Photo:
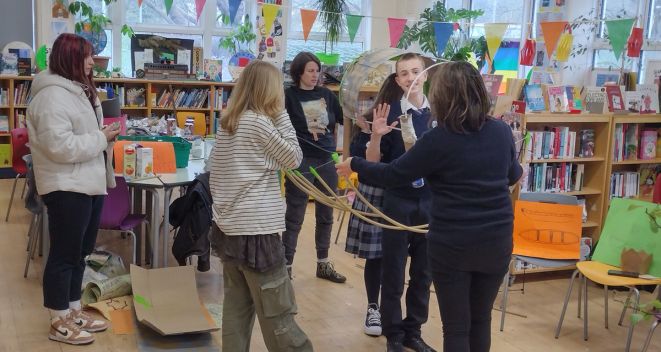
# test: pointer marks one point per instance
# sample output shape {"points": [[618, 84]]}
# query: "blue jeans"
{"points": [[297, 202], [73, 222]]}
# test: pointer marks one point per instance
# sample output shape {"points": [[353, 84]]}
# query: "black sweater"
{"points": [[316, 110], [468, 176]]}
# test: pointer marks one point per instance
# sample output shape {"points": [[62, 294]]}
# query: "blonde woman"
{"points": [[256, 140]]}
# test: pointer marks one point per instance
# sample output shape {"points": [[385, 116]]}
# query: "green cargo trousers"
{"points": [[271, 296]]}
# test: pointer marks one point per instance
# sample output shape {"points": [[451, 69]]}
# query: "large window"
{"points": [[315, 43], [502, 11], [152, 12]]}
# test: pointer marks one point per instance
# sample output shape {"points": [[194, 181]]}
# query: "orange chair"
{"points": [[19, 141]]}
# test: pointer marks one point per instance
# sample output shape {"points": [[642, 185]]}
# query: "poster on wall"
{"points": [[270, 46], [159, 49]]}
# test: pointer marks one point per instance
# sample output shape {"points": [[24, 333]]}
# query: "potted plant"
{"points": [[90, 25], [238, 43], [333, 20], [460, 44]]}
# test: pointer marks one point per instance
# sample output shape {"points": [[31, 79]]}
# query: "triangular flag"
{"points": [[168, 6], [443, 32], [139, 3], [353, 22], [494, 33], [618, 32], [307, 20], [199, 6], [551, 32], [396, 28], [234, 8], [269, 11]]}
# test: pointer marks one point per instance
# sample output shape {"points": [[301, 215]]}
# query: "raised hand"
{"points": [[380, 120]]}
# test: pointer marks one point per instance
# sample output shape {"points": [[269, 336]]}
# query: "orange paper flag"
{"points": [[551, 32], [307, 20], [269, 11]]}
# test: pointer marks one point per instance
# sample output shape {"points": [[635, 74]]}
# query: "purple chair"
{"points": [[116, 213]]}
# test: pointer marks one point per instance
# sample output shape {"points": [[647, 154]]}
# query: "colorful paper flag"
{"points": [[199, 6], [494, 33], [139, 3], [269, 11], [353, 22], [396, 28], [618, 33], [168, 6], [234, 8], [307, 20], [551, 32], [442, 32]]}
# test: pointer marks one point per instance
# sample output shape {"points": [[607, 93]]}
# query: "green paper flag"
{"points": [[168, 6], [353, 22], [618, 32]]}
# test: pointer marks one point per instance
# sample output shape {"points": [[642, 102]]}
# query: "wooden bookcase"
{"points": [[17, 91]]}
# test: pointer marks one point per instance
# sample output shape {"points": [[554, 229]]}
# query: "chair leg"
{"points": [[11, 198], [649, 335], [32, 245], [606, 306], [626, 306], [585, 308], [32, 221], [135, 246], [339, 228], [564, 306], [503, 304], [580, 296], [636, 294], [24, 187]]}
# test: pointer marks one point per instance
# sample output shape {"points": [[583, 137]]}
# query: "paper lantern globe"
{"points": [[238, 62], [99, 40]]}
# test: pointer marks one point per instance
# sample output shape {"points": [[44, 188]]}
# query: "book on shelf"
{"points": [[595, 100], [624, 184], [648, 139], [557, 99], [586, 149], [24, 66], [213, 69], [632, 101], [615, 100], [534, 98], [649, 96], [554, 177], [502, 105], [5, 155], [4, 123], [584, 210], [9, 64], [574, 101], [20, 119], [492, 83], [135, 97], [555, 143], [647, 179]]}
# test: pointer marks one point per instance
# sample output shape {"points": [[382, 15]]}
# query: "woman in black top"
{"points": [[469, 160], [314, 111]]}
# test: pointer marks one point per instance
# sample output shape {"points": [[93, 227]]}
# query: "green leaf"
{"points": [[636, 318]]}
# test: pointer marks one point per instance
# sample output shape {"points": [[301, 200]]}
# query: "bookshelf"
{"points": [[14, 95]]}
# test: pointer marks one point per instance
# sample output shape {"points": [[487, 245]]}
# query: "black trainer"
{"points": [[417, 344], [326, 271], [373, 320], [395, 346]]}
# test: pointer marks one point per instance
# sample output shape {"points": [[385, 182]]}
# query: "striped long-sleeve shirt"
{"points": [[244, 174]]}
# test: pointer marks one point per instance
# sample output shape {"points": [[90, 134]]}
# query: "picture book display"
{"points": [[649, 97], [558, 99], [534, 98]]}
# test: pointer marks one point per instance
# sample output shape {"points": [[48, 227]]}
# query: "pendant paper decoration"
{"points": [[199, 6], [396, 28], [618, 32], [139, 3], [635, 42], [443, 32], [527, 54], [168, 6], [494, 33], [307, 20], [564, 46], [551, 32], [234, 8], [269, 11], [353, 22]]}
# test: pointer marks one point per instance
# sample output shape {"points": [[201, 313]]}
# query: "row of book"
{"points": [[560, 143], [220, 98], [553, 177], [624, 184], [633, 141], [596, 100], [22, 93], [183, 98], [20, 121], [4, 97]]}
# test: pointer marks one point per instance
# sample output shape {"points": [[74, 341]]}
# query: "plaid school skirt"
{"points": [[364, 239]]}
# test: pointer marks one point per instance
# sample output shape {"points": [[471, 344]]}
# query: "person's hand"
{"points": [[111, 132], [380, 125], [344, 168]]}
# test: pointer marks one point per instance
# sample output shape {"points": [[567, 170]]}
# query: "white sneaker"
{"points": [[65, 330], [373, 320], [87, 322]]}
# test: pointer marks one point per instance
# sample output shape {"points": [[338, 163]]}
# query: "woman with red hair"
{"points": [[71, 153]]}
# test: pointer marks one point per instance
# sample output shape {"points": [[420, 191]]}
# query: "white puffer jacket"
{"points": [[66, 141]]}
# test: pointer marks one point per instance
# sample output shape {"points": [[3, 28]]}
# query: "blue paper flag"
{"points": [[234, 8], [442, 31]]}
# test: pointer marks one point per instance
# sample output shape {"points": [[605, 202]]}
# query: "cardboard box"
{"points": [[145, 162], [167, 301]]}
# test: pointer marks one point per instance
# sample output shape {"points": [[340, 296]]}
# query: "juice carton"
{"points": [[145, 162], [129, 161]]}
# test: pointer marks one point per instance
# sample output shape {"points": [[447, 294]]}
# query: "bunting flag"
{"points": [[234, 8], [442, 32], [199, 6], [353, 22], [494, 33], [269, 11], [618, 33], [551, 32], [635, 42], [168, 6], [396, 28], [307, 20], [139, 3]]}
